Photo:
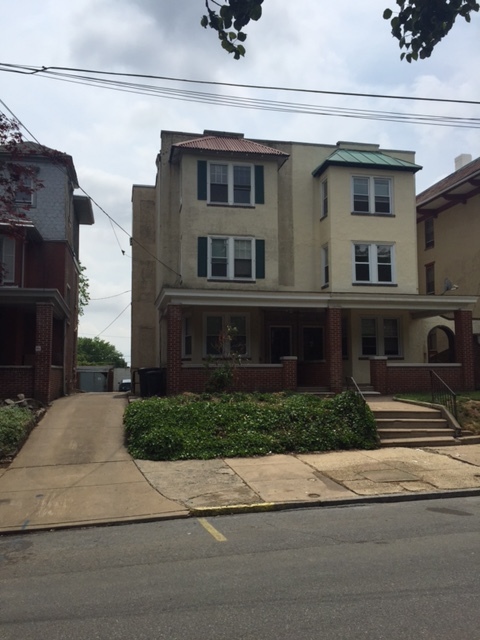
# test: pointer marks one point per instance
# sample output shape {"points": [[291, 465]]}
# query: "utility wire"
{"points": [[114, 320], [39, 70], [66, 74]]}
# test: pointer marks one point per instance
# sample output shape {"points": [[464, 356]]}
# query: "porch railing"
{"points": [[353, 386], [442, 394]]}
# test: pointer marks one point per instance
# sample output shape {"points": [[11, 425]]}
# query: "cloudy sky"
{"points": [[113, 135]]}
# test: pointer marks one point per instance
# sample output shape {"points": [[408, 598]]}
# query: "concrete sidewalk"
{"points": [[75, 471]]}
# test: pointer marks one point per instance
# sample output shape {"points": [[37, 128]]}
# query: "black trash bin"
{"points": [[153, 381], [144, 381]]}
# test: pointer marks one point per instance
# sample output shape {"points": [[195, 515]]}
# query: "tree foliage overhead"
{"points": [[96, 352], [83, 291], [421, 24], [230, 20], [418, 25]]}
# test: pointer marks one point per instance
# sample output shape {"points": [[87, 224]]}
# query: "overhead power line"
{"points": [[99, 79]]}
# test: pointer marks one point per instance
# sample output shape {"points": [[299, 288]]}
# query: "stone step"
{"points": [[415, 433], [391, 414], [418, 442], [411, 423]]}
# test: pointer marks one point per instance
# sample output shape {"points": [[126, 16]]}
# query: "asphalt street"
{"points": [[393, 571]]}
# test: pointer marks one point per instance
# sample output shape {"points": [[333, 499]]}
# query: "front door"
{"points": [[280, 343]]}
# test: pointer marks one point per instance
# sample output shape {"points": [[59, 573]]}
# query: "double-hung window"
{"points": [[231, 184], [324, 198], [372, 195], [7, 260], [24, 191], [231, 258], [373, 263], [429, 233], [380, 337], [225, 334]]}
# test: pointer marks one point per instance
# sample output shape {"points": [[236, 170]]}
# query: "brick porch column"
{"points": [[464, 347], [43, 352], [289, 373], [174, 349], [333, 341], [379, 374]]}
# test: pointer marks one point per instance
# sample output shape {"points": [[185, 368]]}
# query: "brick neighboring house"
{"points": [[308, 250], [448, 229], [39, 284]]}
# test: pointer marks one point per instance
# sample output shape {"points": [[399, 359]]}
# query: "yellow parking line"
{"points": [[211, 530]]}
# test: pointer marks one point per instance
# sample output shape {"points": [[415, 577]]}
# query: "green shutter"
{"points": [[202, 246], [260, 259], [202, 179], [259, 185]]}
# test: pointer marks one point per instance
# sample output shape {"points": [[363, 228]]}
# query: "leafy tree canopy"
{"points": [[96, 352], [418, 25], [83, 291]]}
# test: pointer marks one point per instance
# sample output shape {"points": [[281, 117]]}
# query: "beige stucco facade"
{"points": [[302, 254]]}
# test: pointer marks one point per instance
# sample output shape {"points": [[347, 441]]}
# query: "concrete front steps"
{"points": [[413, 427]]}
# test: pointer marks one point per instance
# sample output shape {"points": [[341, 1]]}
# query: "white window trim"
{"points": [[373, 263], [230, 183], [230, 258], [371, 195], [226, 320], [7, 258], [380, 336]]}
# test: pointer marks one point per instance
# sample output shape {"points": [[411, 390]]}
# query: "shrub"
{"points": [[15, 423], [228, 425]]}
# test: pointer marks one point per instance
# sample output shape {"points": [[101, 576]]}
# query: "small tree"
{"points": [[222, 368], [96, 352], [83, 291], [18, 179]]}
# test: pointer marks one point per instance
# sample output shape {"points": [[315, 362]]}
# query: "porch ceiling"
{"points": [[417, 305]]}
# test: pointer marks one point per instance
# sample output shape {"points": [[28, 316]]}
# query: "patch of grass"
{"points": [[15, 425], [241, 425]]}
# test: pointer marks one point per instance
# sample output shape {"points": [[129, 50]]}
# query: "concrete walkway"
{"points": [[75, 471]]}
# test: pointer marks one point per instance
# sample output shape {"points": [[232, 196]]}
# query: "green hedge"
{"points": [[239, 425], [15, 425]]}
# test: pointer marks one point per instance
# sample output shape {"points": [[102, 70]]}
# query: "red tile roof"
{"points": [[230, 144]]}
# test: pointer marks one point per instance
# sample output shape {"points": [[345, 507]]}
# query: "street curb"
{"points": [[261, 507]]}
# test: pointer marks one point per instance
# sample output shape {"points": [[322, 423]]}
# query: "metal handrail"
{"points": [[442, 394], [356, 389]]}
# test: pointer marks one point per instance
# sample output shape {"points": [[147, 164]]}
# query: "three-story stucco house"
{"points": [[448, 226], [39, 281], [308, 251]]}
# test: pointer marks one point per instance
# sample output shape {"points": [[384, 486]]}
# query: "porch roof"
{"points": [[417, 305], [12, 296]]}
